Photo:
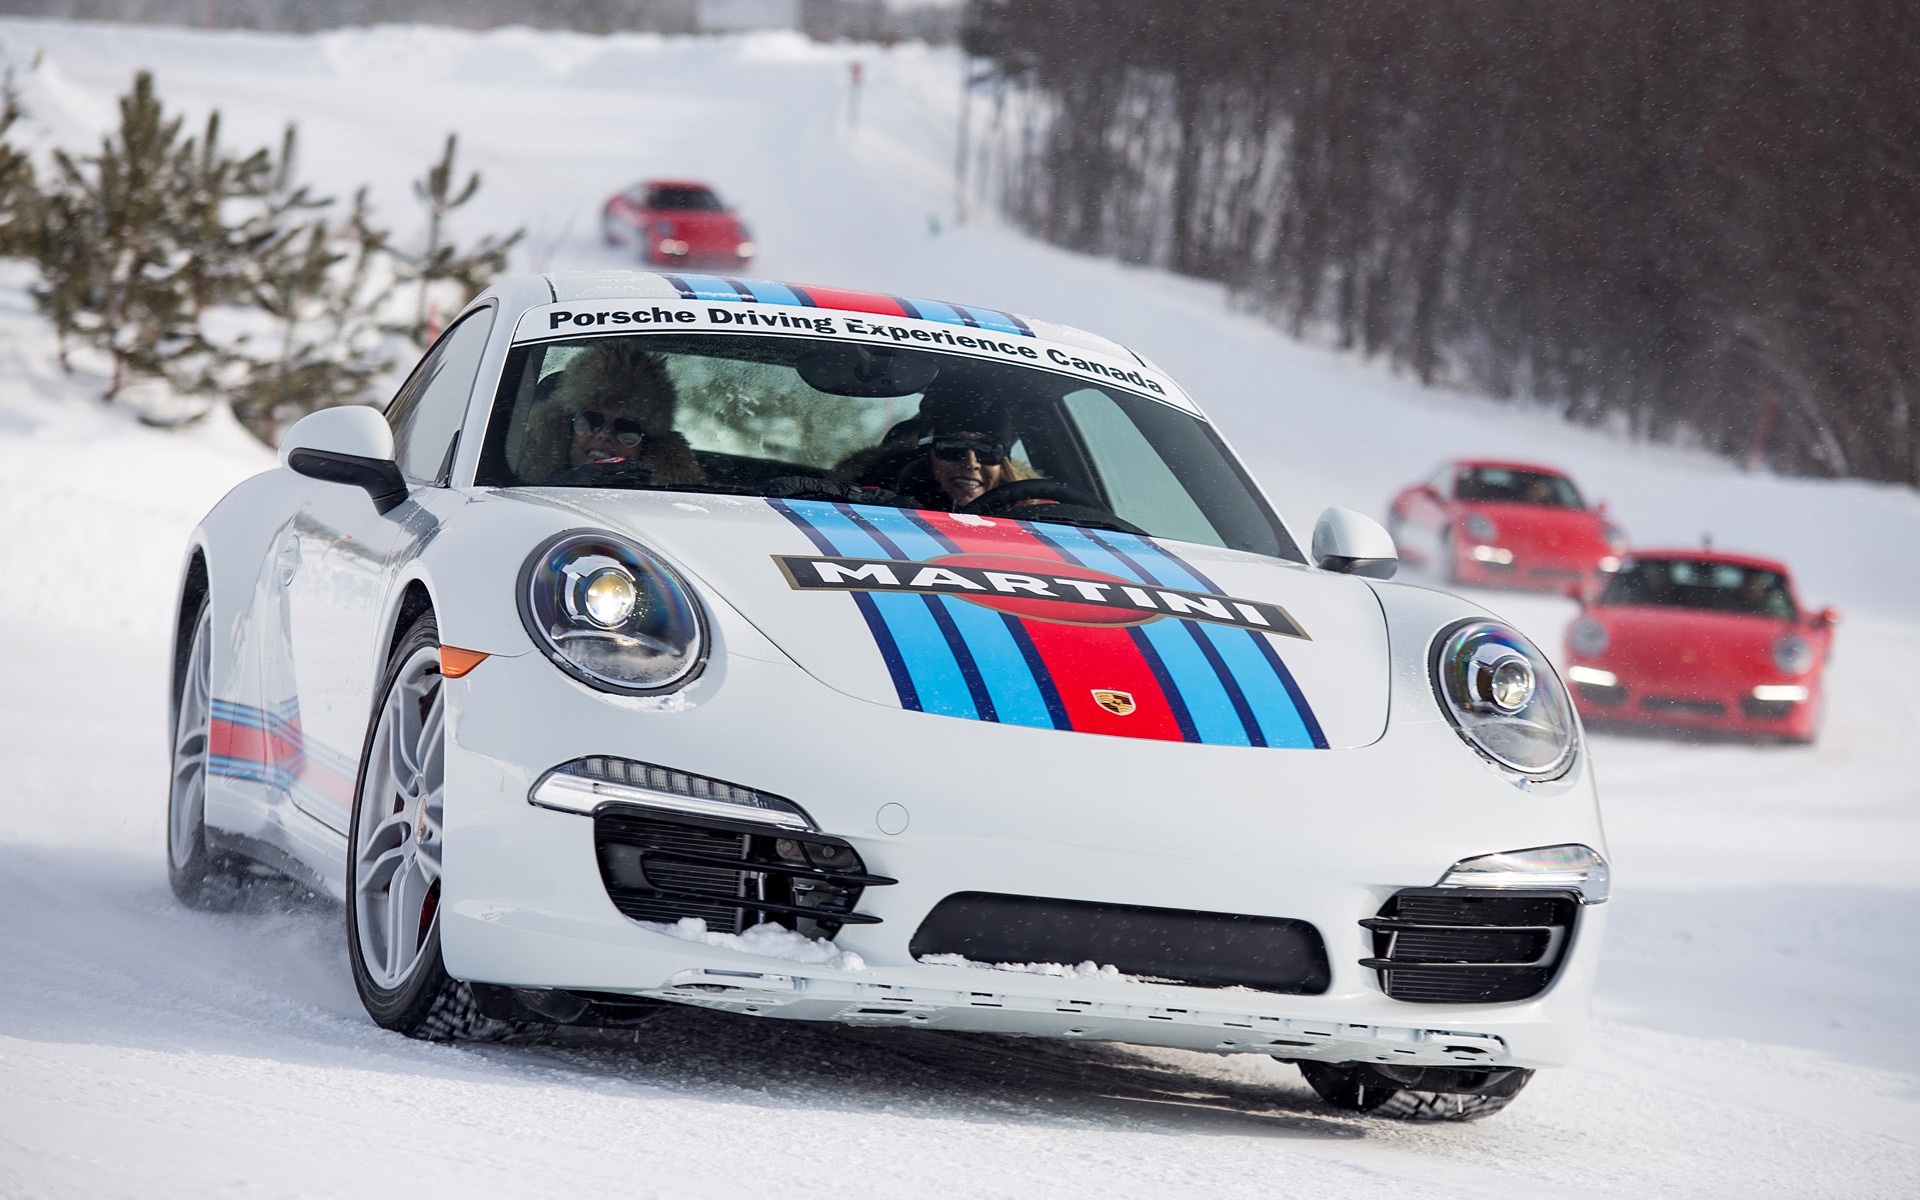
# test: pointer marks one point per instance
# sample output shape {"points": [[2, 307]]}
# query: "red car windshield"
{"points": [[1695, 583], [1508, 486], [683, 199]]}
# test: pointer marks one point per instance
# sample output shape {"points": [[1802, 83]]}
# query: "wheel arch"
{"points": [[416, 600], [195, 589]]}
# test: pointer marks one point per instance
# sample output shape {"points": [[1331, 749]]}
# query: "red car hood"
{"points": [[1678, 645], [1543, 527]]}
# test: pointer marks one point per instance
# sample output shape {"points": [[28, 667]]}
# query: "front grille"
{"points": [[666, 867], [1680, 706], [1767, 710], [1600, 695], [1273, 954], [1469, 946]]}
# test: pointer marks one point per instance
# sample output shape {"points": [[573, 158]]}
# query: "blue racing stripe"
{"points": [[1286, 719], [987, 318], [1006, 669], [924, 650], [705, 287], [935, 310], [767, 291], [876, 625]]}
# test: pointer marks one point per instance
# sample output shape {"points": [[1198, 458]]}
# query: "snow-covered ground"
{"points": [[1757, 1032]]}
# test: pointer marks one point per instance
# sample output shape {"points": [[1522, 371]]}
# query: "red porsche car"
{"points": [[1704, 640], [1504, 524], [676, 223]]}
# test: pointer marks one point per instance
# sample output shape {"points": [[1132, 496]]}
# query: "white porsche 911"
{"points": [[845, 657]]}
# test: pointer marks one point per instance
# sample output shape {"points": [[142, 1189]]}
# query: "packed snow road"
{"points": [[1755, 1033]]}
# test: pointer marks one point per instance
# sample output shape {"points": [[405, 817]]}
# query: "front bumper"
{"points": [[1725, 708], [1319, 836]]}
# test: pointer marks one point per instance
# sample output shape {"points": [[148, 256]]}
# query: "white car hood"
{"points": [[1029, 623]]}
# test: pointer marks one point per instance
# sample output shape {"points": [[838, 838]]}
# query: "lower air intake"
{"points": [[666, 866], [1470, 946], [1273, 954]]}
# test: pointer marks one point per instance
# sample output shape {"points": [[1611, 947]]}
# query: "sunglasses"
{"points": [[956, 449], [626, 432]]}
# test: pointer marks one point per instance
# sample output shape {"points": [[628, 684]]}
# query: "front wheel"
{"points": [[394, 856], [1363, 1088]]}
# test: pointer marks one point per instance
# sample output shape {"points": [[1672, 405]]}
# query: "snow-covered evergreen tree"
{"points": [[468, 271]]}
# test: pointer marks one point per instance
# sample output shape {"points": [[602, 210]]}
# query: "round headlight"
{"points": [[1587, 637], [1504, 699], [1480, 527], [612, 615], [1792, 654]]}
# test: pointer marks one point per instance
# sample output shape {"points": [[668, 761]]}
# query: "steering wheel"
{"points": [[1028, 491]]}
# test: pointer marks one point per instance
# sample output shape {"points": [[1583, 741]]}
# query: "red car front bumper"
{"points": [[1693, 704]]}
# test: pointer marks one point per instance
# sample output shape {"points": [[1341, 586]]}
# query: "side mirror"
{"points": [[1600, 506], [1826, 618], [350, 444], [1353, 544]]}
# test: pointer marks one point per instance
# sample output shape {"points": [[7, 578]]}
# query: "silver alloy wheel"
{"points": [[187, 801], [397, 861]]}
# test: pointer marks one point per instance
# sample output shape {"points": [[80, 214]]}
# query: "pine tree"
{"points": [[108, 247], [441, 260], [325, 291], [19, 193]]}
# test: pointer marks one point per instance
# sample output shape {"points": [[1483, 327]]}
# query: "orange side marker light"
{"points": [[455, 662]]}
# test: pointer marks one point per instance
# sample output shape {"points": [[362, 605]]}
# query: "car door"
{"points": [[337, 556]]}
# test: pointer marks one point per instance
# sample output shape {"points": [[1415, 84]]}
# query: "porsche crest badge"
{"points": [[1118, 703]]}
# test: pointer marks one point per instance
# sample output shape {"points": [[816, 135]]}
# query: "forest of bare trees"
{"points": [[1690, 219]]}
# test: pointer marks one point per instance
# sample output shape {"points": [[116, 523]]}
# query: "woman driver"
{"points": [[613, 404], [967, 440]]}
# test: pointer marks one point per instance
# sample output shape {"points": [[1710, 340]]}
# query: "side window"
{"points": [[427, 412]]}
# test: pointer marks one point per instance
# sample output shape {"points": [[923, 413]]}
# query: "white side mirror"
{"points": [[352, 429], [1354, 544], [350, 444]]}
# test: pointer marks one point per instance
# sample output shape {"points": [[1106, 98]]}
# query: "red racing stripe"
{"points": [[866, 302], [1080, 658]]}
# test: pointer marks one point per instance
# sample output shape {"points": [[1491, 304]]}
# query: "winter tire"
{"points": [[201, 878], [1355, 1087], [394, 857]]}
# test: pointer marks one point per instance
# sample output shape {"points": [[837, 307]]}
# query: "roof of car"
{"points": [[679, 183], [572, 286], [1700, 554], [1511, 465]]}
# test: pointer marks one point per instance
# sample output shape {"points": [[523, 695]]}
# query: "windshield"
{"points": [[1693, 583], [1509, 486], [771, 416], [683, 199]]}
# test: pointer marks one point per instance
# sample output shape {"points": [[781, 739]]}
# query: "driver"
{"points": [[613, 406], [967, 439]]}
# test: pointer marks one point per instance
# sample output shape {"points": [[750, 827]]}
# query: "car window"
{"points": [[1695, 583], [1153, 496], [683, 199], [427, 412], [736, 414], [1512, 486]]}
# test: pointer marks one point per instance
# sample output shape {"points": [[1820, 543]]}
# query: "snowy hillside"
{"points": [[1755, 1034]]}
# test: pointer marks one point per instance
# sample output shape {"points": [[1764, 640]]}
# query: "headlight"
{"points": [[1792, 654], [611, 615], [673, 246], [1587, 637], [1504, 699], [744, 249], [1480, 527]]}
